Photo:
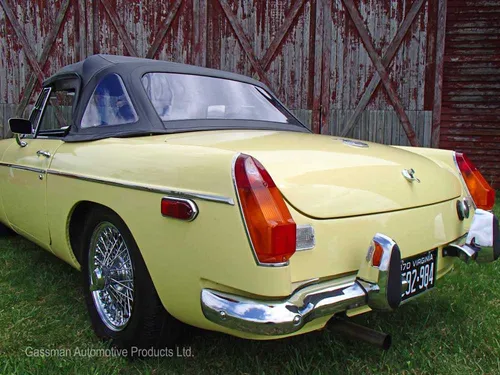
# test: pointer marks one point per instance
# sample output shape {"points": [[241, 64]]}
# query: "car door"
{"points": [[24, 186]]}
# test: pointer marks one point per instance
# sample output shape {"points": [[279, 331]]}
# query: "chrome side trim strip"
{"points": [[151, 189], [23, 168]]}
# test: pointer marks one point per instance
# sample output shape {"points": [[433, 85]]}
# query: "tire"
{"points": [[142, 324], [5, 231]]}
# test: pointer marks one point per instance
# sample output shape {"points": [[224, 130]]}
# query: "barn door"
{"points": [[376, 59]]}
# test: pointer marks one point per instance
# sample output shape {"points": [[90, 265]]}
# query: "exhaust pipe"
{"points": [[358, 332]]}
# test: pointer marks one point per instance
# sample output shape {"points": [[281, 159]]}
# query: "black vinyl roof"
{"points": [[84, 76], [92, 65]]}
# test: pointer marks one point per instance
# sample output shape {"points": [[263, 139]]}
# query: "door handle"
{"points": [[43, 153]]}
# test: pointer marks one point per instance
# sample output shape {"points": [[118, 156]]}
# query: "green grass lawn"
{"points": [[453, 330]]}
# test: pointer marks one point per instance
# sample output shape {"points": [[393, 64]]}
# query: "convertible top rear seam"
{"points": [[152, 189]]}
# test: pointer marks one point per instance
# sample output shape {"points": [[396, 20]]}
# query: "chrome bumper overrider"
{"points": [[481, 244], [380, 287]]}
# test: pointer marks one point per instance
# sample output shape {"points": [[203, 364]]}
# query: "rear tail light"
{"points": [[270, 225], [481, 192]]}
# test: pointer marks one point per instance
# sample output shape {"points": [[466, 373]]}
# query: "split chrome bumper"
{"points": [[481, 244], [378, 285]]}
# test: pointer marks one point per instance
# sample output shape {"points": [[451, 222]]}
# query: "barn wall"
{"points": [[310, 52], [471, 84]]}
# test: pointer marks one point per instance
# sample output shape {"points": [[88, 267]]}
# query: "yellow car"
{"points": [[193, 195]]}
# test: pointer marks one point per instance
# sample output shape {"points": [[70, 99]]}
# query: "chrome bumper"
{"points": [[379, 287], [481, 244]]}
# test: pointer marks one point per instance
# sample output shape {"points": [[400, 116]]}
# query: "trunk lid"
{"points": [[329, 177]]}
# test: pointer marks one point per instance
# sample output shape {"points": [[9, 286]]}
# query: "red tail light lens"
{"points": [[482, 193], [178, 208], [270, 225]]}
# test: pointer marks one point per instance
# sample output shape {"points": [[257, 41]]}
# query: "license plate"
{"points": [[420, 272]]}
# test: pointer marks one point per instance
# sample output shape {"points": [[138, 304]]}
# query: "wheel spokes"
{"points": [[111, 259]]}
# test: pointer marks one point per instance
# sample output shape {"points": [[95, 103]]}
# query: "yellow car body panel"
{"points": [[131, 175], [329, 177]]}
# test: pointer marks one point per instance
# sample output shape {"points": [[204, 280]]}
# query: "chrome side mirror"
{"points": [[19, 127]]}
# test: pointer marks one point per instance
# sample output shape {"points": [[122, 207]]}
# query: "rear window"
{"points": [[109, 104], [193, 97]]}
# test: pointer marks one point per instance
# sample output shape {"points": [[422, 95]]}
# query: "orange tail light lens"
{"points": [[482, 193], [270, 225]]}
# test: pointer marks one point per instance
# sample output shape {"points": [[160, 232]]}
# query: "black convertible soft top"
{"points": [[85, 75]]}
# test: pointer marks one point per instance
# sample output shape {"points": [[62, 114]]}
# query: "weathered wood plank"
{"points": [[438, 82], [163, 29], [386, 60], [28, 51], [243, 40], [318, 53], [384, 76], [30, 86], [119, 27]]}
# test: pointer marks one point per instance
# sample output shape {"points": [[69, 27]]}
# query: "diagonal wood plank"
{"points": [[384, 75], [113, 16], [386, 61], [23, 40], [243, 39], [163, 29], [51, 37], [280, 36]]}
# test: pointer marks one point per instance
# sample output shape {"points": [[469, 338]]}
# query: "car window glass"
{"points": [[190, 97], [37, 109], [109, 104], [58, 111]]}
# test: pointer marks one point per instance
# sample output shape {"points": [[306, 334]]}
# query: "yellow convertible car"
{"points": [[193, 195]]}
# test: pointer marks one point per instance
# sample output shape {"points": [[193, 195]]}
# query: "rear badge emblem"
{"points": [[409, 174], [353, 143]]}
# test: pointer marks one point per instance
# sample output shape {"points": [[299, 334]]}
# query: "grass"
{"points": [[453, 330]]}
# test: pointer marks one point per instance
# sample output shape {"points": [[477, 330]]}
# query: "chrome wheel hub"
{"points": [[111, 276]]}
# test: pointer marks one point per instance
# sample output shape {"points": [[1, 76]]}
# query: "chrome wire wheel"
{"points": [[111, 276]]}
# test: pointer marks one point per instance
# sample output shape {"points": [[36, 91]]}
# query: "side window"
{"points": [[37, 109], [58, 111], [109, 104]]}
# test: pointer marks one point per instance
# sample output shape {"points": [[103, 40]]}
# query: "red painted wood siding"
{"points": [[470, 120]]}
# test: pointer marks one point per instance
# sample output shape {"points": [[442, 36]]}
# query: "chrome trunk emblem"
{"points": [[409, 174]]}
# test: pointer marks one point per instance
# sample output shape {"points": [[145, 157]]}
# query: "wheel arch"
{"points": [[76, 222]]}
